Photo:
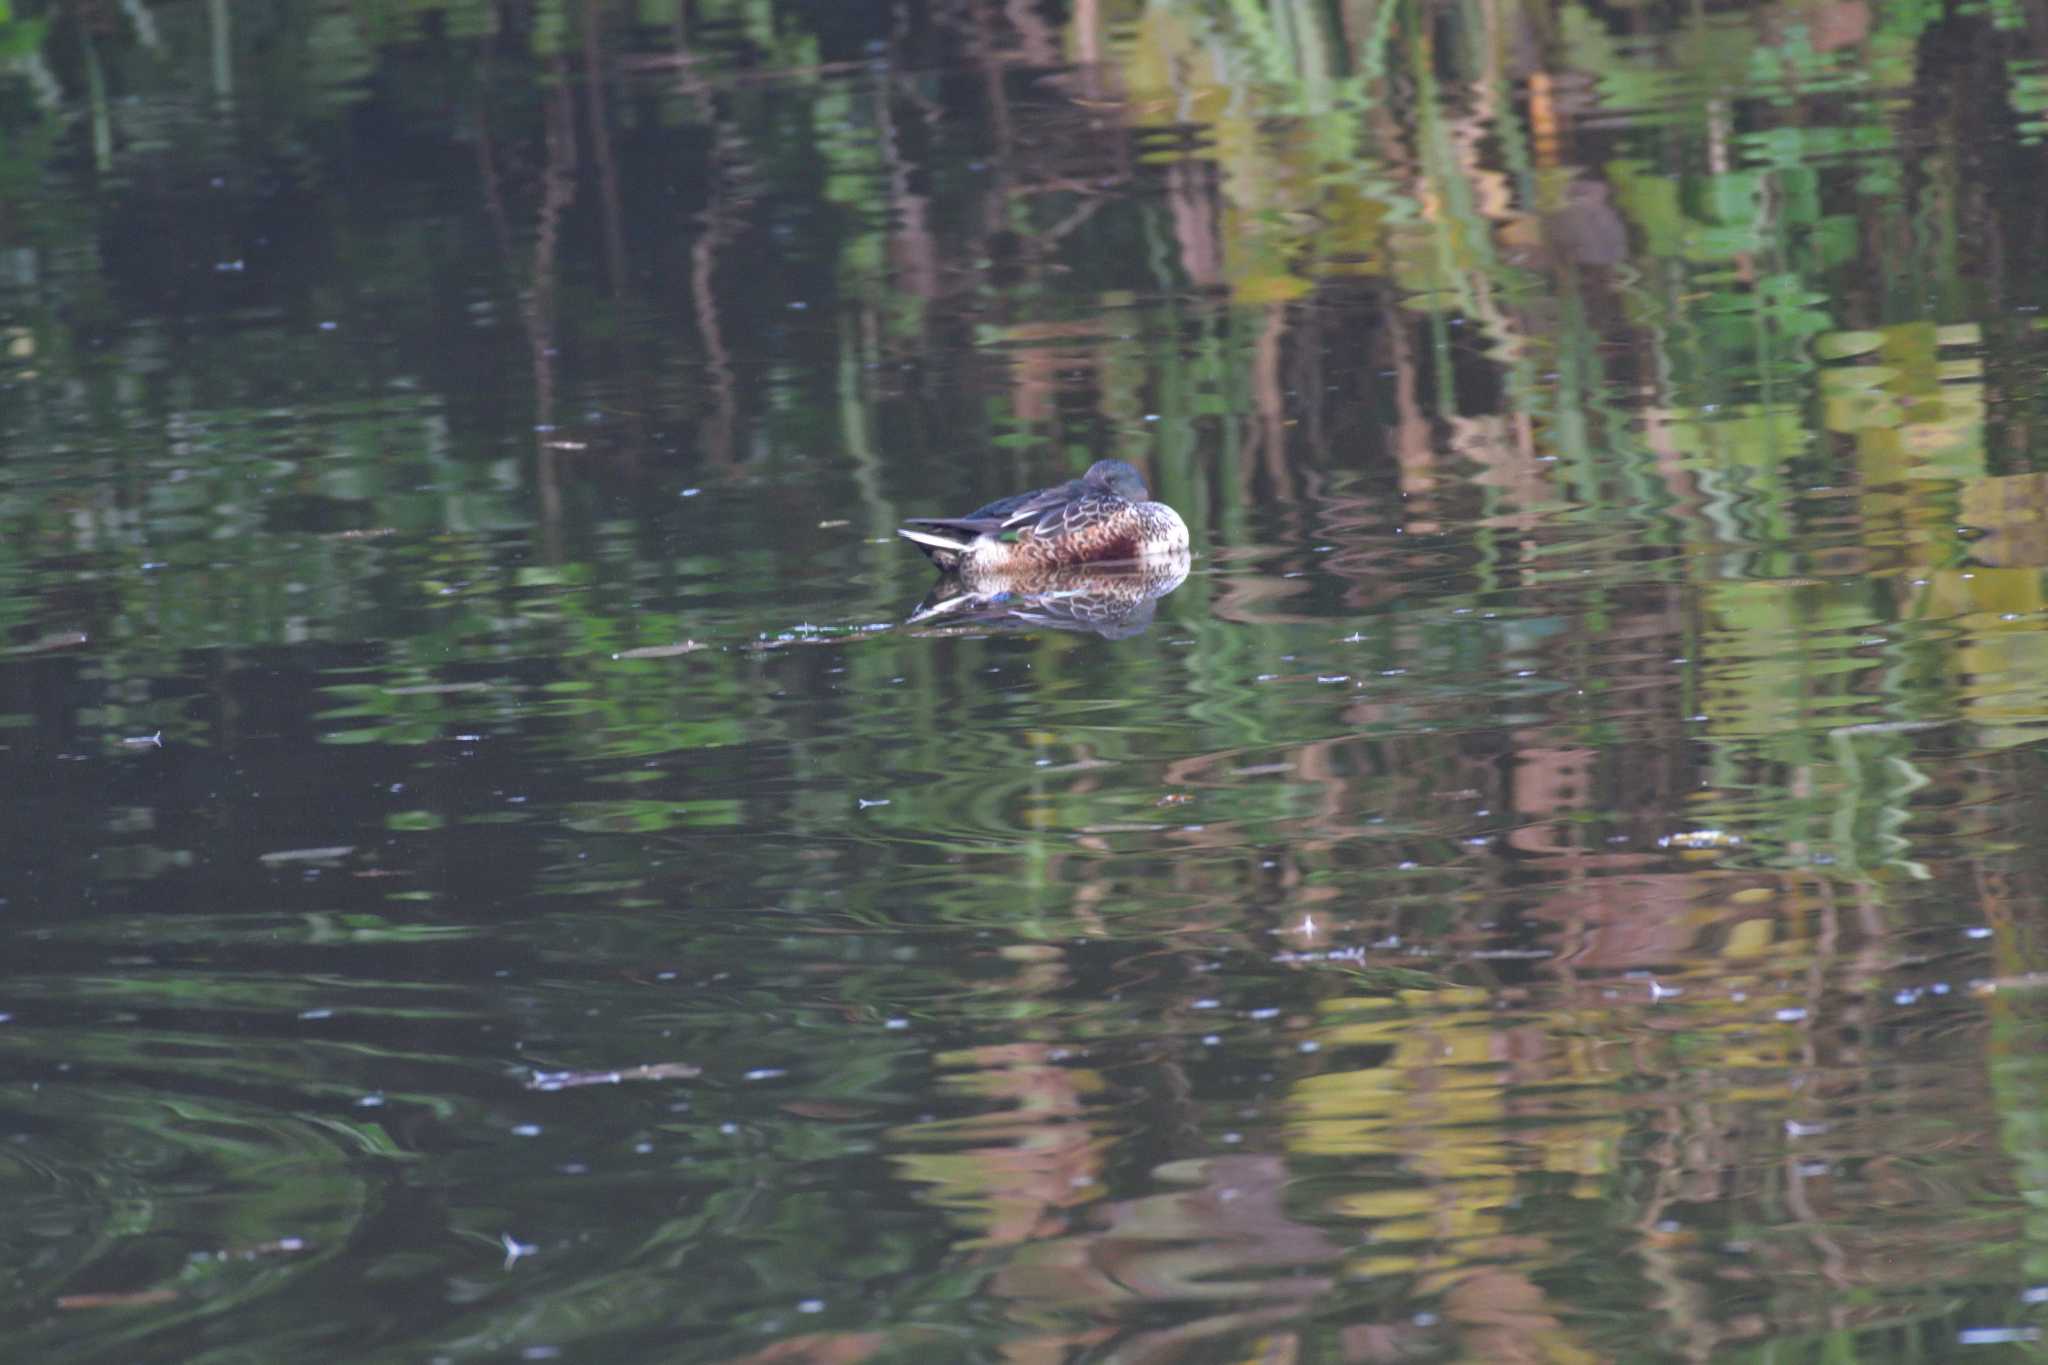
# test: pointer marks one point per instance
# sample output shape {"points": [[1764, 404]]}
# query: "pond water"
{"points": [[494, 870]]}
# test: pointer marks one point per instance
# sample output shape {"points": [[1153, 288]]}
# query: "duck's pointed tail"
{"points": [[943, 540]]}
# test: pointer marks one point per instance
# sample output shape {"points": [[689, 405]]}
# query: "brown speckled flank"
{"points": [[1105, 516]]}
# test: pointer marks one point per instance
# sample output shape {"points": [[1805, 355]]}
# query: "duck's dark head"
{"points": [[1120, 479]]}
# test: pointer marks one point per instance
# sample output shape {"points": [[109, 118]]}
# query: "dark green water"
{"points": [[491, 871]]}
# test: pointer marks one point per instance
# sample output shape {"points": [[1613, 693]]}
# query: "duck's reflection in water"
{"points": [[1115, 601]]}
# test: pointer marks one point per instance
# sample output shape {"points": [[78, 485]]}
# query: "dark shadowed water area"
{"points": [[492, 870]]}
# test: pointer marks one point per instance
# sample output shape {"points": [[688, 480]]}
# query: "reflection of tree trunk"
{"points": [[537, 302], [487, 159], [601, 150], [96, 97], [1676, 1298], [1086, 26], [992, 74], [1267, 395], [1035, 41], [715, 436], [719, 225], [1193, 208], [912, 253], [220, 31], [558, 190], [614, 230], [1411, 432]]}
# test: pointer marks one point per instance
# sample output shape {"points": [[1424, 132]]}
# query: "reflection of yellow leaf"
{"points": [[1843, 378], [1345, 1004], [1840, 345], [2010, 508], [1269, 289], [1950, 436], [1859, 411], [1946, 594], [1381, 1205], [2005, 662], [1750, 938], [1754, 434]]}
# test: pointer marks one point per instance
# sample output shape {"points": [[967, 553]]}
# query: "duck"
{"points": [[1105, 516]]}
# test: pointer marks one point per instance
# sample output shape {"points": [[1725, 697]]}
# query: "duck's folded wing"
{"points": [[966, 527], [1032, 507], [1072, 514]]}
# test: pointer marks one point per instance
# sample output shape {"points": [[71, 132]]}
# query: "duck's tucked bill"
{"points": [[1105, 516]]}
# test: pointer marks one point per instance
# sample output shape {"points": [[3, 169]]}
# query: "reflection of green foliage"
{"points": [[739, 813]]}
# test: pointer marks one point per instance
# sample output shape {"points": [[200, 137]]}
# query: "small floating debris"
{"points": [[330, 854], [56, 639], [435, 689], [1890, 727], [514, 1248], [2024, 981], [1701, 838], [569, 1080], [142, 1298], [283, 1246], [659, 651], [1353, 954], [1996, 1336]]}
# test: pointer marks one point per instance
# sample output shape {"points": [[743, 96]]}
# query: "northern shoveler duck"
{"points": [[1105, 516]]}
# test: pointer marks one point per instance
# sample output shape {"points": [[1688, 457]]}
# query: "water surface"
{"points": [[494, 871]]}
